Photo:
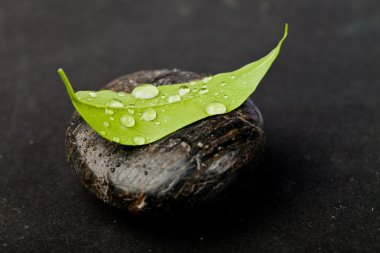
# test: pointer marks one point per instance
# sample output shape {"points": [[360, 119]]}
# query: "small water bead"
{"points": [[121, 94], [203, 91], [223, 84], [174, 98], [195, 90], [131, 111], [145, 91], [139, 140], [225, 96], [216, 93], [106, 124], [92, 94], [102, 133], [117, 139], [149, 114], [233, 77], [108, 111], [112, 118], [163, 96], [216, 108], [127, 121], [157, 123], [115, 104], [193, 83], [183, 90]]}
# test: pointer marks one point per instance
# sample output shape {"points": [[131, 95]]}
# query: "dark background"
{"points": [[318, 189]]}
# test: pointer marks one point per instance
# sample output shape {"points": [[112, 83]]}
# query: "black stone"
{"points": [[194, 166]]}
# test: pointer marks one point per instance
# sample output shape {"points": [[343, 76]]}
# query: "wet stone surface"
{"points": [[192, 167]]}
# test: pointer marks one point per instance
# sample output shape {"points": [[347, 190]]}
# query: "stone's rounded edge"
{"points": [[230, 139]]}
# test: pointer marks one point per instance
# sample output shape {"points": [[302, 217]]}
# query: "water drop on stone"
{"points": [[92, 94], [216, 108], [139, 140], [108, 111], [203, 91], [183, 90], [106, 124], [149, 114], [145, 91], [174, 98], [127, 121], [115, 104]]}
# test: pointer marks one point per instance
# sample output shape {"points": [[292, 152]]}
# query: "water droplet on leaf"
{"points": [[92, 94], [127, 121], [207, 79], [115, 104], [108, 111], [139, 140], [174, 98], [203, 91], [106, 124], [117, 139], [149, 114], [183, 90], [145, 91], [216, 108]]}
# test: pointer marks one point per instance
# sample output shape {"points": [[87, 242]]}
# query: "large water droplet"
{"points": [[106, 124], [149, 114], [115, 103], [108, 111], [92, 94], [174, 98], [139, 140], [183, 90], [145, 91], [203, 91], [127, 121], [216, 108]]}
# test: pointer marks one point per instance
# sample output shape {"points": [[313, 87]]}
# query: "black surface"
{"points": [[318, 190]]}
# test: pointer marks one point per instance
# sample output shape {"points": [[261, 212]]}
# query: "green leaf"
{"points": [[150, 113]]}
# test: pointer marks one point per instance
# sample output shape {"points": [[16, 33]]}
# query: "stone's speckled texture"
{"points": [[188, 168]]}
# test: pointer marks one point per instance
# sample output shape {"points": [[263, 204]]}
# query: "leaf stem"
{"points": [[67, 83]]}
